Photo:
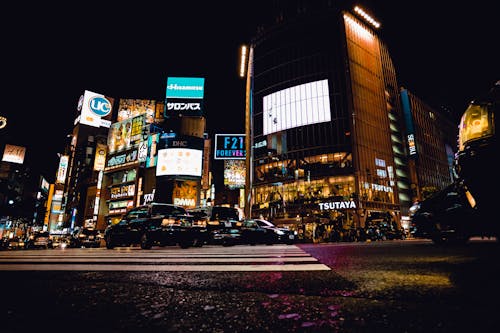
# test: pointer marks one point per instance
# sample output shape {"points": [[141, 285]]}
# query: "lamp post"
{"points": [[248, 70]]}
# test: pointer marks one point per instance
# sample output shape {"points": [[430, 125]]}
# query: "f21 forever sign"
{"points": [[230, 147]]}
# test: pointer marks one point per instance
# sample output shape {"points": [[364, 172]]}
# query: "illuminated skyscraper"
{"points": [[328, 131]]}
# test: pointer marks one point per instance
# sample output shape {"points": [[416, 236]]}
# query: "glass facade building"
{"points": [[328, 138]]}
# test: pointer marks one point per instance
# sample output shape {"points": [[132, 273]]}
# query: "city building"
{"points": [[329, 137], [432, 143]]}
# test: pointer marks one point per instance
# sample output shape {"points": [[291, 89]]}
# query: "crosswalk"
{"points": [[207, 258]]}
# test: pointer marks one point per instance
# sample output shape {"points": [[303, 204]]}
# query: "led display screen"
{"points": [[301, 105], [179, 161], [234, 173]]}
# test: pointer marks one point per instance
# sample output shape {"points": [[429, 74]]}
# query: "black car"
{"points": [[39, 239], [260, 231], [85, 237], [155, 224], [445, 217], [225, 233]]}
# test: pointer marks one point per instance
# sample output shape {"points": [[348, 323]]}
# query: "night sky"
{"points": [[446, 55]]}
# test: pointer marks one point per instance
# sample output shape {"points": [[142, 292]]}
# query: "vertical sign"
{"points": [[63, 168]]}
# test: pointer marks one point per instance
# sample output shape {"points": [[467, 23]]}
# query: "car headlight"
{"points": [[279, 232]]}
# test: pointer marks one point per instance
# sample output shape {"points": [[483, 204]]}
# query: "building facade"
{"points": [[329, 142]]}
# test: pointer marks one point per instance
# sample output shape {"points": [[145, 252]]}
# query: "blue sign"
{"points": [[230, 147], [100, 106]]}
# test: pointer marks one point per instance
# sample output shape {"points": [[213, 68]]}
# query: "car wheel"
{"points": [[145, 242]]}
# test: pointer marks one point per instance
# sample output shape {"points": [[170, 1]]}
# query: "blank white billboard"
{"points": [[301, 105]]}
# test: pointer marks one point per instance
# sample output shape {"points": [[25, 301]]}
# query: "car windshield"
{"points": [[225, 213], [265, 223]]}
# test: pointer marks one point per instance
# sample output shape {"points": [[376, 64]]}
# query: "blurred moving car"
{"points": [[60, 240], [85, 237], [260, 231], [39, 239], [12, 243]]}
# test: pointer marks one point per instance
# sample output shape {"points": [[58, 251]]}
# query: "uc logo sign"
{"points": [[100, 106]]}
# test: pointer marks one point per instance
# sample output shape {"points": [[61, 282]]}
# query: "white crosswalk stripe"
{"points": [[207, 258]]}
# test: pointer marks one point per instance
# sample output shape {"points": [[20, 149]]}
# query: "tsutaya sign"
{"points": [[337, 205]]}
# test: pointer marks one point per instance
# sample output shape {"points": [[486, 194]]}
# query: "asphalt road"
{"points": [[389, 286]]}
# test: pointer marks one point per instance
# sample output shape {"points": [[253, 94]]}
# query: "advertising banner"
{"points": [[234, 174], [230, 146], [125, 134], [63, 169], [100, 157], [180, 155], [152, 150], [130, 108], [179, 161], [301, 105], [96, 109], [184, 96], [14, 154], [122, 159], [185, 193]]}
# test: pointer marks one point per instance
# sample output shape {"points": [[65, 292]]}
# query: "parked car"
{"points": [[85, 237], [261, 231], [155, 224], [39, 239]]}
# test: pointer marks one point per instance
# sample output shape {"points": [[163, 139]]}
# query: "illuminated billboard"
{"points": [[301, 105], [234, 173], [96, 109], [44, 185], [408, 118], [152, 155], [63, 169], [179, 161], [185, 193], [184, 96], [14, 154], [130, 108], [100, 157], [125, 134], [230, 146]]}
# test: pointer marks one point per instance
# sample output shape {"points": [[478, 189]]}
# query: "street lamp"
{"points": [[246, 69]]}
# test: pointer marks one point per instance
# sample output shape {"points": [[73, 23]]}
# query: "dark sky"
{"points": [[444, 51]]}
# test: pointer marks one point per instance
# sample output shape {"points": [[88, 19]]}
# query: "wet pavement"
{"points": [[407, 286]]}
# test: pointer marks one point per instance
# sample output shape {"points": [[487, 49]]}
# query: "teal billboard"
{"points": [[184, 96]]}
